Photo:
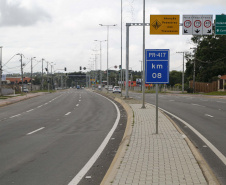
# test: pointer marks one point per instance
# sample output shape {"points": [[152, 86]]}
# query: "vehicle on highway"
{"points": [[117, 89], [25, 89], [110, 88], [78, 86]]}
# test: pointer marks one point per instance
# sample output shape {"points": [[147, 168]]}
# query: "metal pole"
{"points": [[1, 72], [107, 51], [31, 74], [107, 45], [183, 75], [100, 68], [141, 74], [127, 60], [48, 75], [51, 77], [31, 71], [156, 106], [22, 80], [194, 78], [121, 47], [143, 80], [42, 74]]}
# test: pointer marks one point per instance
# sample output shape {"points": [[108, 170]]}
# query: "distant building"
{"points": [[221, 83], [18, 80]]}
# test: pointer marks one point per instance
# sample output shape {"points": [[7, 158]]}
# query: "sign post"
{"points": [[157, 70]]}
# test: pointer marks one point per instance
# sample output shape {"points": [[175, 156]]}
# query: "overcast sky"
{"points": [[63, 31]]}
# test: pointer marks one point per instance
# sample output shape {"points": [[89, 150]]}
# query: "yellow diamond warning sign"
{"points": [[164, 24]]}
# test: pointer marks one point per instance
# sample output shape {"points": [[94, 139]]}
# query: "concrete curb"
{"points": [[207, 172], [19, 98], [111, 173]]}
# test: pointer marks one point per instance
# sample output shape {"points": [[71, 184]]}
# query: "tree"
{"points": [[209, 58], [175, 77]]}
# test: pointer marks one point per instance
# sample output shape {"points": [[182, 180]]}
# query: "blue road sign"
{"points": [[157, 66]]}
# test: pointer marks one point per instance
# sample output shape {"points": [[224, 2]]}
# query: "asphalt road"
{"points": [[48, 139], [207, 115]]}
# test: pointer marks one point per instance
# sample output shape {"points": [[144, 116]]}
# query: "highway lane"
{"points": [[48, 139], [207, 115]]}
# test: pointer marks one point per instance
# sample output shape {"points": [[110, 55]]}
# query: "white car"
{"points": [[117, 89]]}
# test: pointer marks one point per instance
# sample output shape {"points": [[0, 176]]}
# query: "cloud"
{"points": [[14, 14]]}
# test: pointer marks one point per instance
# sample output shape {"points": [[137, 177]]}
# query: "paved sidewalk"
{"points": [[163, 158]]}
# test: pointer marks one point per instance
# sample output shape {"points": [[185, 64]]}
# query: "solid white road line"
{"points": [[208, 115], [209, 144], [35, 131], [77, 105], [95, 156], [67, 113], [39, 106]]}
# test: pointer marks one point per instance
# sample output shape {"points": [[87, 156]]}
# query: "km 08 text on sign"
{"points": [[157, 66]]}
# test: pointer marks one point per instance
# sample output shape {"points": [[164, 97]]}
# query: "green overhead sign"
{"points": [[220, 25]]}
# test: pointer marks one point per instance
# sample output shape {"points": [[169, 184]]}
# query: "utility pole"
{"points": [[22, 78], [42, 74], [47, 69], [31, 72], [182, 73], [194, 72], [1, 72], [194, 78]]}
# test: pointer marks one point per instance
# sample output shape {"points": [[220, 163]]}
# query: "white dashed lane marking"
{"points": [[67, 113], [15, 116], [209, 115], [35, 131]]}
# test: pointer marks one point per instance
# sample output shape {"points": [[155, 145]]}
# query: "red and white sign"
{"points": [[207, 24], [197, 24], [187, 25]]}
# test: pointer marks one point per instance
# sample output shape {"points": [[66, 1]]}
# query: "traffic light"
{"points": [[84, 68], [80, 67], [120, 67], [65, 69]]}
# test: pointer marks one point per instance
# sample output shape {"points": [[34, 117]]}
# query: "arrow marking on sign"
{"points": [[209, 31], [185, 31], [197, 31]]}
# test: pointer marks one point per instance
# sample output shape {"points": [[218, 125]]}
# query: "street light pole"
{"points": [[121, 48], [1, 72], [143, 80], [100, 62], [107, 45], [31, 72]]}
